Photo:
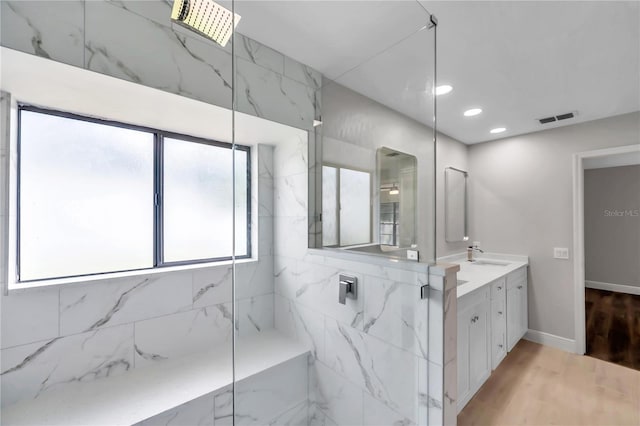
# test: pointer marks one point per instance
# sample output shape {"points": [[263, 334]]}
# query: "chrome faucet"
{"points": [[470, 251]]}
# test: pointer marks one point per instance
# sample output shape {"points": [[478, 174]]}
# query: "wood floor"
{"points": [[539, 385], [613, 327]]}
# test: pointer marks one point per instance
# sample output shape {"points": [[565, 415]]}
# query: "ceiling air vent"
{"points": [[551, 119], [564, 116], [547, 120]]}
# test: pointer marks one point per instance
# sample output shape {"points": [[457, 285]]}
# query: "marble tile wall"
{"points": [[136, 41], [369, 362], [80, 332]]}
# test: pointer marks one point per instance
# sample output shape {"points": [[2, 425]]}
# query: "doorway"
{"points": [[607, 246]]}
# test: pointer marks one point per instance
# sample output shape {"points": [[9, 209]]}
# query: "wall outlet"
{"points": [[412, 254], [476, 245], [560, 253]]}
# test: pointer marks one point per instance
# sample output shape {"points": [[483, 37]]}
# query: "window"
{"points": [[346, 206], [97, 196]]}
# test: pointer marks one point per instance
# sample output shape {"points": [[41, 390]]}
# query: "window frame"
{"points": [[157, 198]]}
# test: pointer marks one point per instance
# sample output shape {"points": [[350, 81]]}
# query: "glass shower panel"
{"points": [[139, 209], [332, 333]]}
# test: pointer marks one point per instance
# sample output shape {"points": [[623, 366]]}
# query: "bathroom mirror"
{"points": [[455, 209], [397, 202]]}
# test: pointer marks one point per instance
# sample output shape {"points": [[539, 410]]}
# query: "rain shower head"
{"points": [[207, 18]]}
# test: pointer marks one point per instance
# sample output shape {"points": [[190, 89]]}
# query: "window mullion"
{"points": [[158, 254]]}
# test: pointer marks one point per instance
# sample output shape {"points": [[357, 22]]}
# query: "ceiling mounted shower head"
{"points": [[207, 18]]}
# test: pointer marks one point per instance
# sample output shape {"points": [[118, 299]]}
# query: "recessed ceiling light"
{"points": [[471, 112], [443, 90], [498, 130]]}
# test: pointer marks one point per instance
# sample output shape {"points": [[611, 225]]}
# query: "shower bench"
{"points": [[143, 393]]}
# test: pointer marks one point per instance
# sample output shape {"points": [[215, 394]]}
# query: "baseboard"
{"points": [[562, 343], [618, 288]]}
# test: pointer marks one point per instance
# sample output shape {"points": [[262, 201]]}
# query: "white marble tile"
{"points": [[337, 398], [51, 29], [265, 236], [198, 412], [378, 414], [302, 73], [259, 54], [264, 93], [29, 370], [300, 323], [434, 392], [449, 406], [386, 372], [212, 286], [265, 197], [145, 52], [254, 278], [255, 315], [290, 237], [29, 317], [295, 416], [290, 195], [91, 306], [265, 162], [265, 396], [291, 157], [184, 333], [158, 11], [317, 417], [317, 287], [394, 312]]}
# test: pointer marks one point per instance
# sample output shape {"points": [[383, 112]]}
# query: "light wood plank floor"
{"points": [[539, 385]]}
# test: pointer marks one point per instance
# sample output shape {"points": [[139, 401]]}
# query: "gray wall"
{"points": [[450, 153], [521, 203], [612, 225]]}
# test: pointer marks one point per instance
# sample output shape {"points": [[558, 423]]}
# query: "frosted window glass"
{"points": [[355, 207], [329, 206], [86, 197], [198, 200]]}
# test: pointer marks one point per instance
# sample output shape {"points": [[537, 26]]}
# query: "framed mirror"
{"points": [[456, 212]]}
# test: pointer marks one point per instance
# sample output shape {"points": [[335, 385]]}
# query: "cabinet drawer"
{"points": [[498, 289], [517, 278]]}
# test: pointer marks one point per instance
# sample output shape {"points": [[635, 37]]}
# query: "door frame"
{"points": [[578, 234]]}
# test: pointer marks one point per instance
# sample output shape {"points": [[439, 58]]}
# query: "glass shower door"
{"points": [[330, 335]]}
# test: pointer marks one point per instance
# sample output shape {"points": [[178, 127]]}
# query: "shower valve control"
{"points": [[348, 288]]}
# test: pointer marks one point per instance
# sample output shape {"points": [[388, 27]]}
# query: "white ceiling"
{"points": [[518, 61]]}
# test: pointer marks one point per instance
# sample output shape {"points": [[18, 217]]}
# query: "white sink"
{"points": [[489, 262]]}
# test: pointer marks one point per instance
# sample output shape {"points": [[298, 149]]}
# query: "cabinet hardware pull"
{"points": [[500, 346], [519, 287], [499, 312], [499, 287]]}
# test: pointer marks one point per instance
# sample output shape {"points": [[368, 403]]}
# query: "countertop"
{"points": [[478, 275]]}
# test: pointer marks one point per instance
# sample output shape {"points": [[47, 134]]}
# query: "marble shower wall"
{"points": [[369, 363], [135, 40], [88, 330]]}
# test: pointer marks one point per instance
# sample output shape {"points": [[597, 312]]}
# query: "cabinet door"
{"points": [[523, 320], [463, 357], [514, 317], [480, 358]]}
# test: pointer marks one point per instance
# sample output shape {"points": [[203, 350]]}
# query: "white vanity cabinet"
{"points": [[474, 335], [517, 311], [492, 318]]}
